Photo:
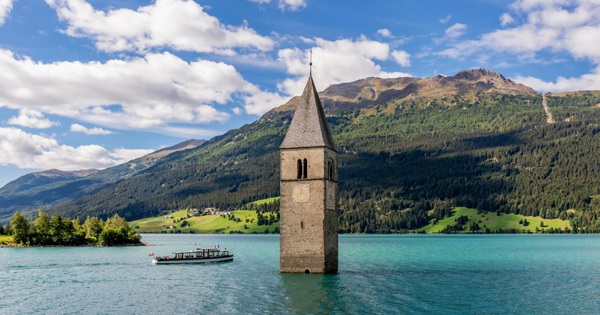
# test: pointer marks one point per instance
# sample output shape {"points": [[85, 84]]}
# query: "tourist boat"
{"points": [[195, 256]]}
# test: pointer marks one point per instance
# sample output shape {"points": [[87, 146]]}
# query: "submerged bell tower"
{"points": [[308, 186]]}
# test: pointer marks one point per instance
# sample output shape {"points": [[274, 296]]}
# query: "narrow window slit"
{"points": [[305, 168]]}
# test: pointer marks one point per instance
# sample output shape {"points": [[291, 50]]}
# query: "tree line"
{"points": [[59, 231]]}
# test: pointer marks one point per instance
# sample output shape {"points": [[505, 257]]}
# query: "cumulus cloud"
{"points": [[89, 131], [506, 19], [151, 91], [456, 30], [291, 5], [32, 119], [384, 32], [5, 8], [334, 62], [260, 102], [26, 150], [178, 24], [401, 57]]}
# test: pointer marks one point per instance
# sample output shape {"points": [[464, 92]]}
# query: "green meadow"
{"points": [[494, 222], [206, 224]]}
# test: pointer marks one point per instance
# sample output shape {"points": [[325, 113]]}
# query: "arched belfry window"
{"points": [[302, 168], [305, 168], [330, 170]]}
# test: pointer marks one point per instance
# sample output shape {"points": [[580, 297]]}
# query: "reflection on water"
{"points": [[312, 293]]}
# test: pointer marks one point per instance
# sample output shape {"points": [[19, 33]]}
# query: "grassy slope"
{"points": [[204, 224], [265, 201], [217, 224], [494, 222]]}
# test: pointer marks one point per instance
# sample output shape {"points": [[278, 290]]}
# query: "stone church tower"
{"points": [[309, 162]]}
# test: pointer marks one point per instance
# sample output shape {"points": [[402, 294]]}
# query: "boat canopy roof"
{"points": [[210, 249]]}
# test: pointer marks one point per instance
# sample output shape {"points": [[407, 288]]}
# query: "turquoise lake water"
{"points": [[379, 274]]}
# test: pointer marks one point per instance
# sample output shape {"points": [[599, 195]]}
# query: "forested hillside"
{"points": [[407, 154]]}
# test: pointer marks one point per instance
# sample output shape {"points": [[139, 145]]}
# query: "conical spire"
{"points": [[308, 127]]}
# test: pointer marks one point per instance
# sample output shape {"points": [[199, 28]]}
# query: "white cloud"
{"points": [[446, 19], [384, 32], [178, 24], [568, 26], [506, 19], [237, 110], [26, 150], [526, 5], [590, 81], [149, 92], [186, 132], [551, 27], [125, 155], [32, 119], [292, 5], [334, 62], [401, 57], [89, 131], [5, 8], [260, 102], [456, 30]]}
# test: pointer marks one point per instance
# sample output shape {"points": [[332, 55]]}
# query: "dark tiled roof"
{"points": [[308, 127]]}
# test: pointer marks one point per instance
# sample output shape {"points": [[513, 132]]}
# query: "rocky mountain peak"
{"points": [[479, 74], [372, 91]]}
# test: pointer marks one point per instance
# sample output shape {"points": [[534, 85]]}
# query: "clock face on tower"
{"points": [[301, 193]]}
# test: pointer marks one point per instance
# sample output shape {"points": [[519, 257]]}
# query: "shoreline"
{"points": [[141, 243]]}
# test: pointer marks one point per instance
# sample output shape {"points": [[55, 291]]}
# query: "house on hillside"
{"points": [[210, 210]]}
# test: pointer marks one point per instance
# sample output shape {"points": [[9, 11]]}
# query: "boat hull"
{"points": [[191, 260]]}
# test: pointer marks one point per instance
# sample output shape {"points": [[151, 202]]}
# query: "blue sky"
{"points": [[95, 83]]}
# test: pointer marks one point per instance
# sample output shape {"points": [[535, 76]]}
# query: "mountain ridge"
{"points": [[372, 91]]}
